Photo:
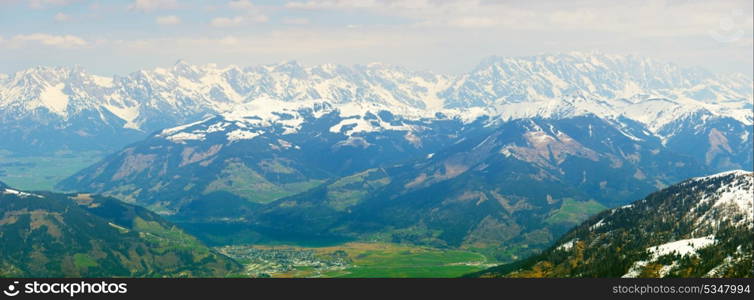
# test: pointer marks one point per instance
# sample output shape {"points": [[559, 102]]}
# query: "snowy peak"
{"points": [[617, 83], [612, 87], [505, 79], [59, 90], [268, 115]]}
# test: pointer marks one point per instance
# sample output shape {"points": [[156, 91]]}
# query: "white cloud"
{"points": [[656, 17], [258, 18], [249, 13], [295, 21], [290, 43], [227, 22], [229, 41], [168, 20], [58, 41], [473, 22], [153, 5], [437, 34], [241, 4], [336, 4], [61, 17], [42, 4]]}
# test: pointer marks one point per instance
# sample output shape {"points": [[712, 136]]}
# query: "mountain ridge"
{"points": [[92, 107], [48, 234], [700, 227]]}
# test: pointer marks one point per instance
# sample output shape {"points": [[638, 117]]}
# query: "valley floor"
{"points": [[36, 173], [356, 260]]}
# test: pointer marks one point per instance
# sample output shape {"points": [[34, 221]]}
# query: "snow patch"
{"points": [[182, 137], [20, 193], [53, 98], [681, 247], [238, 134], [566, 246], [125, 113], [597, 225]]}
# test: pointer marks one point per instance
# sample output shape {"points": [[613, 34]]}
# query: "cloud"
{"points": [[61, 17], [336, 4], [295, 21], [228, 41], [473, 22], [257, 18], [241, 4], [436, 34], [42, 4], [290, 43], [226, 22], [168, 20], [249, 13], [153, 5], [57, 41], [657, 17]]}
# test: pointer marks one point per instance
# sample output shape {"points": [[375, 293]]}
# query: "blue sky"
{"points": [[450, 36]]}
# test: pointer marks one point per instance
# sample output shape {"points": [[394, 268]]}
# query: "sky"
{"points": [[446, 36]]}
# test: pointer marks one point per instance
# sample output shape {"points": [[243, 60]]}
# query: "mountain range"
{"points": [[54, 108], [504, 158]]}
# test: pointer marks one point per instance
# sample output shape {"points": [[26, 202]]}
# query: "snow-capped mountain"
{"points": [[268, 148], [652, 93], [292, 149], [701, 227], [362, 171]]}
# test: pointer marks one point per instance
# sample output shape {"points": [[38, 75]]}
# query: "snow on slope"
{"points": [[683, 247], [733, 201]]}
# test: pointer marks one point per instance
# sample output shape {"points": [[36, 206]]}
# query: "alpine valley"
{"points": [[502, 160]]}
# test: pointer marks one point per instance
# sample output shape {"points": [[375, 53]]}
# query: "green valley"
{"points": [[356, 260], [43, 172]]}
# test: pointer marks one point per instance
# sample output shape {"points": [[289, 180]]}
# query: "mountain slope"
{"points": [[262, 152], [512, 188], [46, 234], [592, 131], [701, 227]]}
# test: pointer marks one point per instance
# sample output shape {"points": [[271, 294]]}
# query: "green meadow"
{"points": [[387, 260]]}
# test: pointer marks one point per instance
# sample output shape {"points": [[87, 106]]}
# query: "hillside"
{"points": [[46, 234], [701, 227]]}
